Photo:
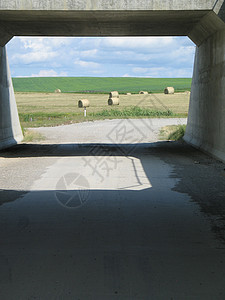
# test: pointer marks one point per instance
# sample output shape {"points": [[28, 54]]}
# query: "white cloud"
{"points": [[157, 72], [89, 53], [34, 57], [136, 56], [38, 43], [59, 41], [138, 42], [39, 49], [126, 75], [49, 73], [183, 53], [31, 43], [92, 53], [86, 64]]}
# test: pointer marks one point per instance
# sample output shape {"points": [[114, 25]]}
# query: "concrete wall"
{"points": [[10, 130], [206, 121]]}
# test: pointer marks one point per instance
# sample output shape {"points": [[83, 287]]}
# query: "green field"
{"points": [[99, 84]]}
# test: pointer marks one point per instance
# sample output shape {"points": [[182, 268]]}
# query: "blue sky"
{"points": [[101, 57]]}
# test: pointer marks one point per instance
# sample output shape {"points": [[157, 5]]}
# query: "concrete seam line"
{"points": [[215, 4]]}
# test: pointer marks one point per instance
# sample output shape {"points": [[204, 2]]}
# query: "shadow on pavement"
{"points": [[198, 175], [154, 243]]}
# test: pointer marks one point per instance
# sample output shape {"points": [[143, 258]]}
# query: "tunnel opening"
{"points": [[144, 57]]}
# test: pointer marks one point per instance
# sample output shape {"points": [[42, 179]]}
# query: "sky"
{"points": [[161, 57]]}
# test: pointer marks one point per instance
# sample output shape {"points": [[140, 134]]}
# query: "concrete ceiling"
{"points": [[197, 19]]}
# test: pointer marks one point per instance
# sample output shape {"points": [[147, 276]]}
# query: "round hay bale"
{"points": [[143, 93], [114, 94], [58, 91], [83, 103], [128, 94], [113, 101], [169, 90]]}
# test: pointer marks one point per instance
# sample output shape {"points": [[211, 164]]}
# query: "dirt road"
{"points": [[109, 131]]}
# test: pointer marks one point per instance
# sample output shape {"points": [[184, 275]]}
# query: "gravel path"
{"points": [[108, 131]]}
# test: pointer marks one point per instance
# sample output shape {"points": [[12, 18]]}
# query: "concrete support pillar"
{"points": [[206, 120], [10, 130]]}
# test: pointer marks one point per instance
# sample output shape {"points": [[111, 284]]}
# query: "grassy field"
{"points": [[99, 84], [50, 109], [172, 132], [31, 136]]}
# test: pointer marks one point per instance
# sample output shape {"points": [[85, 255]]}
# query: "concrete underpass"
{"points": [[149, 221]]}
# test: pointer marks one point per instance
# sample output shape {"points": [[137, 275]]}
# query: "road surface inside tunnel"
{"points": [[131, 218]]}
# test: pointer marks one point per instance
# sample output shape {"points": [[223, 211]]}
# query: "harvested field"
{"points": [[54, 105]]}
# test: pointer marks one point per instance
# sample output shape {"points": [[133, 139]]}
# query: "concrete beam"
{"points": [[10, 130], [219, 9], [109, 23], [69, 5], [206, 27], [109, 18], [5, 36]]}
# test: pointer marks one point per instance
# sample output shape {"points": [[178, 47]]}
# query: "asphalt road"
{"points": [[117, 218]]}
